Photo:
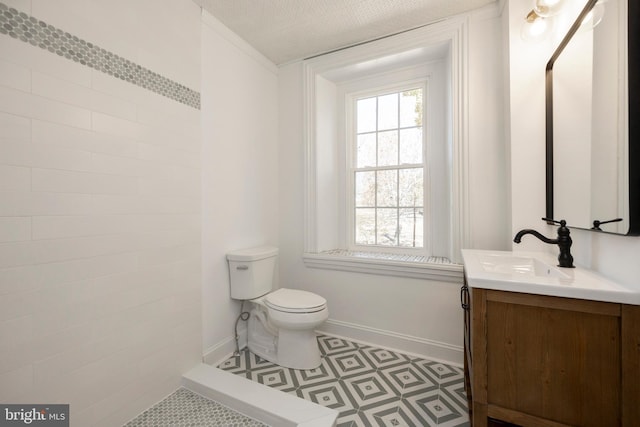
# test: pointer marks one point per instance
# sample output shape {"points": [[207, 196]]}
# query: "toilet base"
{"points": [[298, 349], [295, 349]]}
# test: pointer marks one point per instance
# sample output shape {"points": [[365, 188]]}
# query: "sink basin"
{"points": [[519, 265], [536, 273]]}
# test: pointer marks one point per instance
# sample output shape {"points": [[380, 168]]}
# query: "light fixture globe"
{"points": [[536, 27]]}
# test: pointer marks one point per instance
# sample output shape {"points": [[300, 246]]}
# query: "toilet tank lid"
{"points": [[253, 254]]}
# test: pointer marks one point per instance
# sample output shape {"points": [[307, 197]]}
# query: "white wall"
{"points": [[423, 315], [613, 256], [99, 213], [240, 169]]}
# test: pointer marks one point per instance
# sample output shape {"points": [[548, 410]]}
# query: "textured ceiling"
{"points": [[287, 30]]}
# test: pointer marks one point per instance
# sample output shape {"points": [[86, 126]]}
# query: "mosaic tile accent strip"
{"points": [[185, 408], [390, 257], [38, 33], [369, 386]]}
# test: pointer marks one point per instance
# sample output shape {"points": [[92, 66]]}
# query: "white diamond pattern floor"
{"points": [[369, 386]]}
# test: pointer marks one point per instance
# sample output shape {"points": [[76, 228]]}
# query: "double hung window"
{"points": [[388, 169]]}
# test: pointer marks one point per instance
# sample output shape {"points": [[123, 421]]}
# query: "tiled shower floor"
{"points": [[369, 386], [185, 408]]}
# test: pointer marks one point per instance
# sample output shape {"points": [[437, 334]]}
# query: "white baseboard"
{"points": [[219, 352], [422, 347]]}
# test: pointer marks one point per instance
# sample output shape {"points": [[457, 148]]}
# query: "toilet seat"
{"points": [[295, 301]]}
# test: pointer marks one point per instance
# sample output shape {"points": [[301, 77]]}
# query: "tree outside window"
{"points": [[389, 170]]}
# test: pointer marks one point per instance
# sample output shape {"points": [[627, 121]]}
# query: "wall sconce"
{"points": [[536, 27], [539, 22]]}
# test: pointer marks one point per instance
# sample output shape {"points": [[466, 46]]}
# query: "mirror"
{"points": [[593, 153]]}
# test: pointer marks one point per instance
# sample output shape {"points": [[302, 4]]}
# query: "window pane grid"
{"points": [[389, 195]]}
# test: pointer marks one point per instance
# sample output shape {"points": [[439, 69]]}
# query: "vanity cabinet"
{"points": [[534, 360]]}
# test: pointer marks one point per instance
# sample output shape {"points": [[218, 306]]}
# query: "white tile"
{"points": [[16, 332], [169, 156], [132, 399], [16, 383], [107, 164], [113, 184], [15, 229], [26, 204], [56, 227], [96, 381], [167, 255], [66, 361], [173, 119], [15, 178], [49, 345], [60, 181], [116, 126], [173, 114], [16, 254], [51, 157], [18, 279], [15, 356], [14, 128], [81, 96], [36, 58], [61, 136], [81, 269], [27, 105], [17, 304], [15, 76], [57, 250], [62, 296], [104, 204], [170, 186], [14, 152], [114, 145]]}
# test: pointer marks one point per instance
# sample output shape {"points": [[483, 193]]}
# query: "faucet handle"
{"points": [[561, 223]]}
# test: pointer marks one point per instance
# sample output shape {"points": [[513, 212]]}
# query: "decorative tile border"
{"points": [[38, 33]]}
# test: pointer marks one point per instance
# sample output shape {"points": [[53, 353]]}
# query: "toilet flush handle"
{"points": [[242, 267]]}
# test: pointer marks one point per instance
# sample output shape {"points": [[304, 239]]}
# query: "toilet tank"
{"points": [[252, 271]]}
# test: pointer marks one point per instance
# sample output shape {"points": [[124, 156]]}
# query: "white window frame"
{"points": [[318, 202], [351, 147]]}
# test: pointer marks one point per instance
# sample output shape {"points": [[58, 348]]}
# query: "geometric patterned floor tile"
{"points": [[369, 386]]}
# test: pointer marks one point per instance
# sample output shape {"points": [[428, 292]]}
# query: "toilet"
{"points": [[282, 322]]}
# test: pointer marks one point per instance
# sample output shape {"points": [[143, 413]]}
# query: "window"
{"points": [[388, 169], [385, 155]]}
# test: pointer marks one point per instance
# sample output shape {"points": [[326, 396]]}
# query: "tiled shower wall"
{"points": [[99, 203]]}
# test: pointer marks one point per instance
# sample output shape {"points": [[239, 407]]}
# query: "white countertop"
{"points": [[537, 273]]}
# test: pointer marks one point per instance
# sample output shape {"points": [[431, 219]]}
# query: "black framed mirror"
{"points": [[593, 121]]}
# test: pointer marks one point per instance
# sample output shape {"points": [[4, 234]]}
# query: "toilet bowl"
{"points": [[291, 318], [282, 322]]}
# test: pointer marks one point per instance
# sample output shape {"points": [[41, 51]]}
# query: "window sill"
{"points": [[434, 268]]}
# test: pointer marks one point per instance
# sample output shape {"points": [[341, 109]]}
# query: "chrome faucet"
{"points": [[563, 241]]}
